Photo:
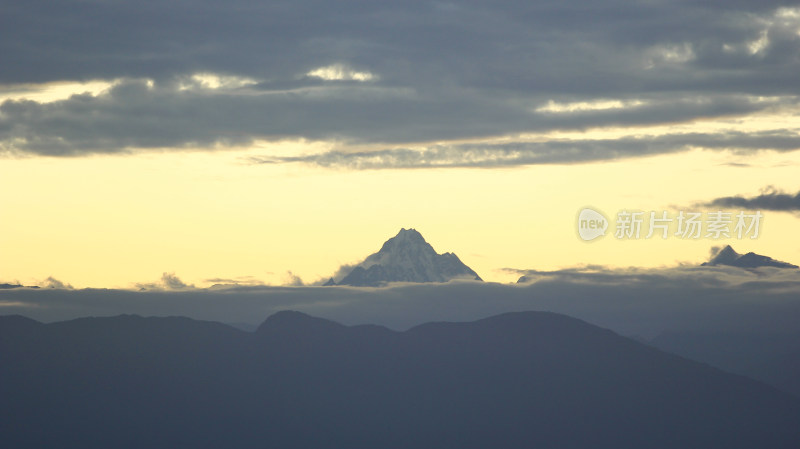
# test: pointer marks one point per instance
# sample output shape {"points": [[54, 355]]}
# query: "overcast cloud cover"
{"points": [[403, 80]]}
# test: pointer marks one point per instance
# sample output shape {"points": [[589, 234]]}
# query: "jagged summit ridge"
{"points": [[407, 257], [728, 256]]}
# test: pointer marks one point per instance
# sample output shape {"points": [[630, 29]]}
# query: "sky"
{"points": [[191, 143]]}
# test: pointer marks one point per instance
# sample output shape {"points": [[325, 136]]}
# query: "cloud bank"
{"points": [[395, 78], [630, 301]]}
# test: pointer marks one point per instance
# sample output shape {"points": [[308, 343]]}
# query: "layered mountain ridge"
{"points": [[523, 379]]}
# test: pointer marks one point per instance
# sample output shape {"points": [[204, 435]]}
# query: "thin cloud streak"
{"points": [[769, 199], [552, 152]]}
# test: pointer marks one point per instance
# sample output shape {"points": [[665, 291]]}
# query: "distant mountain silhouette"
{"points": [[407, 257], [727, 256], [529, 379], [329, 282], [770, 357]]}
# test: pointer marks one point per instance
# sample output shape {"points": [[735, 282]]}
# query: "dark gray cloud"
{"points": [[441, 70], [552, 152], [769, 199], [475, 43], [138, 114]]}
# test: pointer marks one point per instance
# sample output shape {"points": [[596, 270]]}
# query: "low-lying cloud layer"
{"points": [[630, 301]]}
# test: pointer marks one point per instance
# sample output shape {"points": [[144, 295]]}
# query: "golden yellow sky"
{"points": [[133, 148], [113, 221]]}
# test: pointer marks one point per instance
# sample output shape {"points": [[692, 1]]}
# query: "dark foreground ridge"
{"points": [[529, 379]]}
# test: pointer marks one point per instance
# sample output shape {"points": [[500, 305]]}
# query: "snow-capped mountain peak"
{"points": [[407, 257], [727, 256]]}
